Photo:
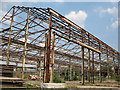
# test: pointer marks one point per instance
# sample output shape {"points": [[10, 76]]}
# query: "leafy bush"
{"points": [[75, 78], [29, 86], [104, 78], [116, 78], [57, 79]]}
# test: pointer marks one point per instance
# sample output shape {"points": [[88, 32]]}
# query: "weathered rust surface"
{"points": [[23, 40]]}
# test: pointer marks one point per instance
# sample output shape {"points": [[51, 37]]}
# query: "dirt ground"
{"points": [[106, 84]]}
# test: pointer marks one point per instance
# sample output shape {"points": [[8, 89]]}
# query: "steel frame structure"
{"points": [[35, 36]]}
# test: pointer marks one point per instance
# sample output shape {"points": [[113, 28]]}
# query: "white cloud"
{"points": [[114, 25], [77, 17], [23, 39], [107, 27], [113, 11]]}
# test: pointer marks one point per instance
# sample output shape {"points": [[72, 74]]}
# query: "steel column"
{"points": [[52, 60], [65, 71], [113, 64], [58, 70], [118, 64], [45, 57], [89, 65], [40, 65], [70, 70], [8, 49], [25, 46], [82, 65], [100, 78], [100, 74], [16, 66], [108, 71], [93, 66], [48, 51]]}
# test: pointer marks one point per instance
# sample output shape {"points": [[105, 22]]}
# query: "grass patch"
{"points": [[31, 85], [71, 86]]}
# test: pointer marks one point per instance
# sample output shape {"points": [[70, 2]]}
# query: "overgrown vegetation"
{"points": [[31, 85], [116, 78], [71, 86], [58, 79]]}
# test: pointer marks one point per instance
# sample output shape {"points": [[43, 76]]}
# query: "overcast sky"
{"points": [[98, 18]]}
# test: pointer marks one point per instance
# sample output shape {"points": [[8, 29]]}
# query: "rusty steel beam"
{"points": [[78, 27], [68, 43], [39, 64], [52, 60], [70, 70], [100, 74], [18, 42], [108, 67], [118, 64], [100, 77], [45, 57], [80, 43], [93, 72], [113, 64], [48, 51], [41, 48], [83, 81], [25, 46], [89, 66], [8, 49]]}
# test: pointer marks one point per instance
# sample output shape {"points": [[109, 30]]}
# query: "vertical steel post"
{"points": [[16, 65], [16, 68], [113, 64], [48, 51], [100, 78], [89, 65], [70, 70], [74, 72], [8, 49], [39, 65], [58, 70], [45, 57], [89, 71], [52, 60], [118, 64], [93, 66], [82, 34], [25, 45], [65, 72], [82, 65], [108, 71]]}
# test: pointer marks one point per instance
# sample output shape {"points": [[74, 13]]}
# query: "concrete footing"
{"points": [[52, 85]]}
